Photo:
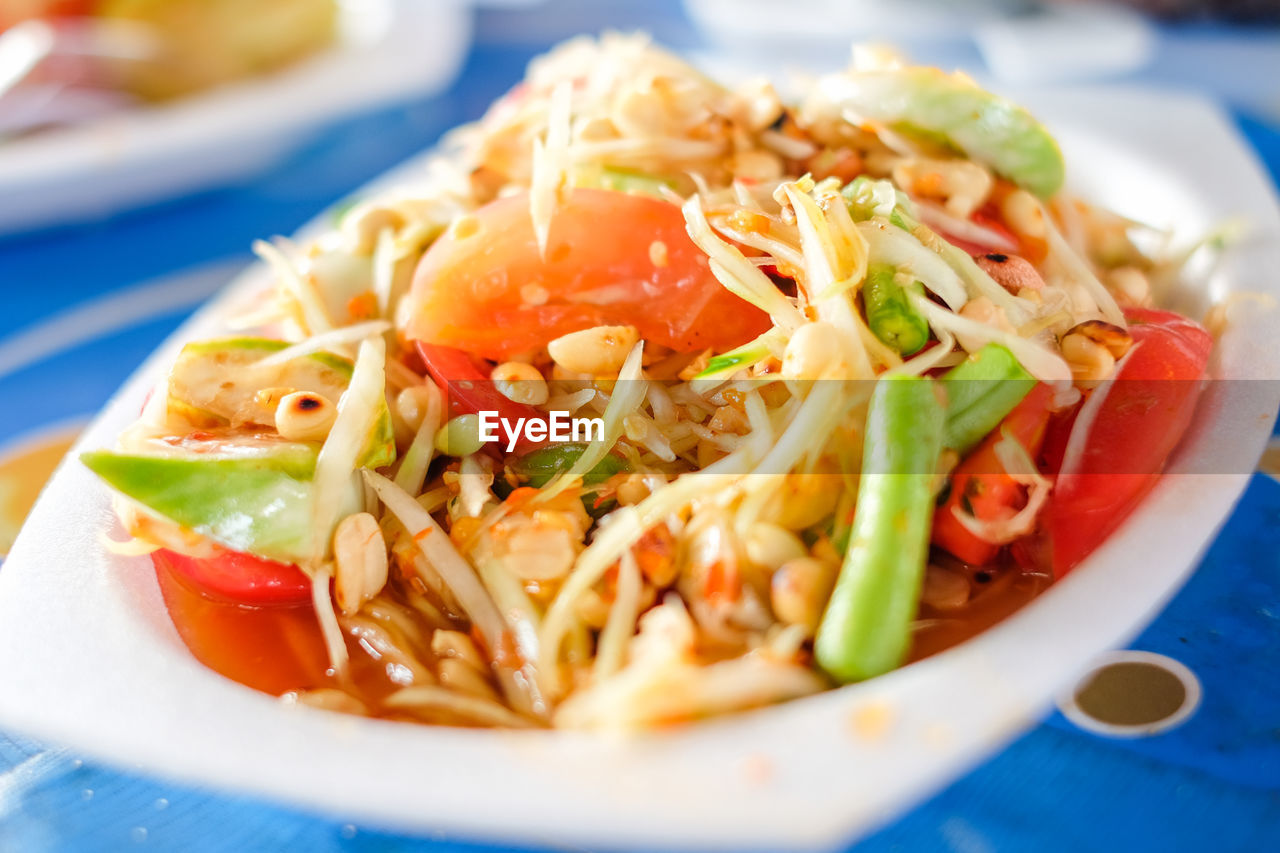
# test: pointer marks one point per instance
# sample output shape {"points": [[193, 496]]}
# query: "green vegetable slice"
{"points": [[890, 315], [254, 500], [866, 629], [985, 127], [981, 390], [217, 383], [543, 465]]}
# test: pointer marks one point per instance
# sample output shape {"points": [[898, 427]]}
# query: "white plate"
{"points": [[390, 50], [88, 658]]}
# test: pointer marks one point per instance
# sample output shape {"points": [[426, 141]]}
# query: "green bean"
{"points": [[981, 390], [890, 315], [866, 629], [540, 466]]}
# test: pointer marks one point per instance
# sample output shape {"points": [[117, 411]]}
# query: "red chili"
{"points": [[980, 487], [470, 392]]}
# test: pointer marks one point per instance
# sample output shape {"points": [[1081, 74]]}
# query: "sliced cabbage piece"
{"points": [[252, 496], [221, 383], [622, 180], [986, 127]]}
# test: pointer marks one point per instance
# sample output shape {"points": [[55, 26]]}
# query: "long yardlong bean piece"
{"points": [[981, 390], [890, 314], [866, 629]]}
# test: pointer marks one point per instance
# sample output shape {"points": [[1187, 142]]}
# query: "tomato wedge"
{"points": [[241, 578], [1124, 432], [611, 259], [270, 648], [980, 487]]}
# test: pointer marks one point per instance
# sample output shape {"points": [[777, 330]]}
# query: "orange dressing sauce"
{"points": [[1006, 590], [280, 648], [275, 649]]}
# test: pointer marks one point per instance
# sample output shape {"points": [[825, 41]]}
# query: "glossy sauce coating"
{"points": [[277, 649]]}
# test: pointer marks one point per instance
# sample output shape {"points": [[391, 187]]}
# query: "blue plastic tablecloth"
{"points": [[1212, 784]]}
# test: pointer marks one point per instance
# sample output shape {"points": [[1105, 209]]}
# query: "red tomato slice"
{"points": [[273, 649], [611, 259], [1124, 432], [241, 578]]}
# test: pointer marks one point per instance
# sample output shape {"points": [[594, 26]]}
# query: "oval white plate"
{"points": [[390, 50], [88, 658]]}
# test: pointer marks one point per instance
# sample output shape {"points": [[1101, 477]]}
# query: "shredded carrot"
{"points": [[521, 496], [655, 554], [363, 306], [749, 221], [463, 529], [930, 184], [722, 583]]}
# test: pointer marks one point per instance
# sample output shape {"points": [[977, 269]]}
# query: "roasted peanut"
{"points": [[520, 383], [799, 591], [961, 184], [1090, 361], [360, 559], [598, 351], [1022, 213], [1130, 286], [460, 436], [305, 416], [1010, 271], [981, 310], [770, 546], [414, 402], [814, 351], [1116, 340]]}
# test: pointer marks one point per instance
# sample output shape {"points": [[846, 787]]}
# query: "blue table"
{"points": [[77, 321]]}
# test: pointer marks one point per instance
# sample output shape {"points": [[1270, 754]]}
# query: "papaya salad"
{"points": [[856, 378]]}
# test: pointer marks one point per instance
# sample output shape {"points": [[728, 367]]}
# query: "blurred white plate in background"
{"points": [[88, 657], [1019, 41], [389, 51]]}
